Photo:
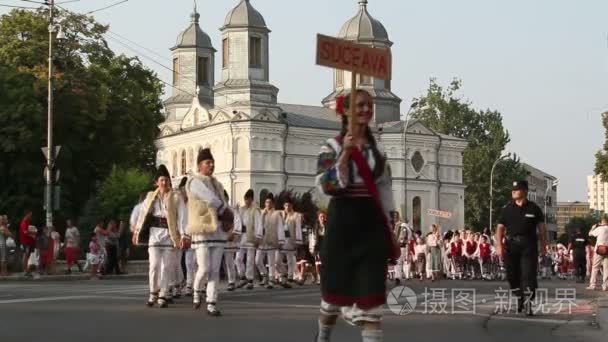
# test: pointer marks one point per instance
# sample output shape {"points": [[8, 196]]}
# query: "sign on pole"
{"points": [[360, 59], [439, 213], [45, 150]]}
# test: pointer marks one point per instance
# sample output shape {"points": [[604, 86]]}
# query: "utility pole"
{"points": [[50, 155]]}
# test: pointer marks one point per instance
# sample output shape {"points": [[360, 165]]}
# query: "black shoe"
{"points": [[150, 303], [242, 283], [270, 285], [196, 306], [285, 285], [250, 285], [397, 281], [162, 303], [230, 287]]}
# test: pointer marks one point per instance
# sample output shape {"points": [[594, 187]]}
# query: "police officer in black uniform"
{"points": [[520, 229], [578, 245]]}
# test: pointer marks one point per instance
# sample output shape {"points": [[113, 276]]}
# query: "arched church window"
{"points": [[255, 52], [174, 164], [184, 163], [203, 70], [417, 213], [225, 53], [175, 71]]}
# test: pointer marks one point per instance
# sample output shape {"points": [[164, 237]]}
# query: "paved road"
{"points": [[114, 309]]}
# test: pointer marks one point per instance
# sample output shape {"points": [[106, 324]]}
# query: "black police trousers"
{"points": [[521, 262]]}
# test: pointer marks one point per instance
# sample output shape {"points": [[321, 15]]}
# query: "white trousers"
{"points": [[209, 260], [291, 263], [229, 266], [162, 269], [190, 267], [271, 254], [400, 267], [248, 271], [178, 274], [599, 261]]}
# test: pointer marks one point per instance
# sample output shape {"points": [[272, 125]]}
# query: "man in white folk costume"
{"points": [[161, 225], [250, 234], [209, 217], [292, 227], [273, 236]]}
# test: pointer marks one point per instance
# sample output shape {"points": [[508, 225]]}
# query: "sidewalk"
{"points": [[73, 277]]}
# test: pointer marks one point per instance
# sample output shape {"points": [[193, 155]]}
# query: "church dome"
{"points": [[364, 28], [193, 36], [244, 15]]}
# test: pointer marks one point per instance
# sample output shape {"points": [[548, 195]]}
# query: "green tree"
{"points": [[107, 109], [601, 157], [120, 191], [442, 110], [584, 223]]}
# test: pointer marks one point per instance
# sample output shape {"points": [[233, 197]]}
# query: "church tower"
{"points": [[245, 62], [193, 69], [364, 29]]}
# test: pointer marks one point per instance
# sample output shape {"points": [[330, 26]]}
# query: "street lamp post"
{"points": [[51, 153], [407, 119], [492, 185]]}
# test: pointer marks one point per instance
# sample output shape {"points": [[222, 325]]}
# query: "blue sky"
{"points": [[543, 64]]}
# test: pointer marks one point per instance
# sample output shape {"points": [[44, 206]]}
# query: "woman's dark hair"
{"points": [[380, 159], [183, 182]]}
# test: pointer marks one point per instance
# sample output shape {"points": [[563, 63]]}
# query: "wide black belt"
{"points": [[159, 222]]}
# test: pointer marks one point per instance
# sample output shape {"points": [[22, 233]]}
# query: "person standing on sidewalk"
{"points": [[5, 233], [600, 259], [521, 226], [72, 247], [27, 238], [577, 245]]}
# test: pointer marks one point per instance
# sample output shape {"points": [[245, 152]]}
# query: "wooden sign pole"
{"points": [[352, 105]]}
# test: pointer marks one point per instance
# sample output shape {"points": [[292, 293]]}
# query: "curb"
{"points": [[76, 277]]}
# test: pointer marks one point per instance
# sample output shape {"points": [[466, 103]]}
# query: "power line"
{"points": [[22, 7], [109, 6]]}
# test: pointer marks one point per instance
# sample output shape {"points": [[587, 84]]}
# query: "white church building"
{"points": [[268, 146]]}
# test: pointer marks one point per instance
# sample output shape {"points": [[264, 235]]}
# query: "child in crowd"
{"points": [[94, 256], [420, 251]]}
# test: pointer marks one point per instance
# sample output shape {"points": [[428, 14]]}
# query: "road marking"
{"points": [[42, 299]]}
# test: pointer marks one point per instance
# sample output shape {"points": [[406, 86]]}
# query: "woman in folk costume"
{"points": [[316, 241], [250, 233], [353, 170], [273, 237], [292, 228], [209, 217], [434, 242], [161, 225], [232, 246]]}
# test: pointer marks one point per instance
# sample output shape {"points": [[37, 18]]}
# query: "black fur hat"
{"points": [[204, 154], [162, 172]]}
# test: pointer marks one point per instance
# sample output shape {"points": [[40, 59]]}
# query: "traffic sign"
{"points": [[45, 151]]}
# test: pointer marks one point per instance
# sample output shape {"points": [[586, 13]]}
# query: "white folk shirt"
{"points": [[72, 237], [233, 246], [257, 226], [159, 237], [135, 215], [217, 238], [291, 242], [601, 232]]}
